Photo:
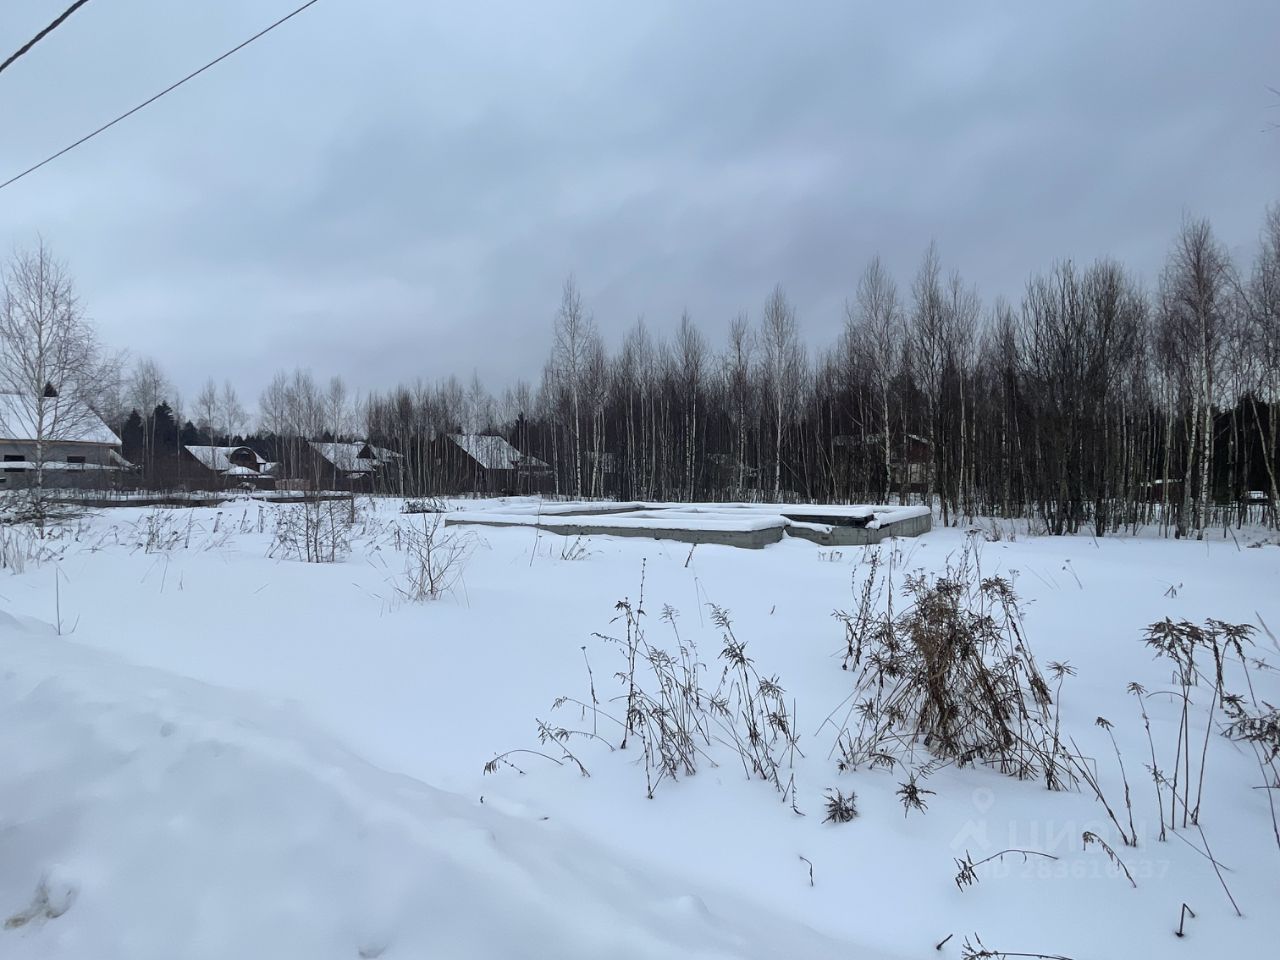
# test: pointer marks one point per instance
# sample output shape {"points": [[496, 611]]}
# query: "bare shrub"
{"points": [[435, 557], [316, 531], [954, 674], [424, 505]]}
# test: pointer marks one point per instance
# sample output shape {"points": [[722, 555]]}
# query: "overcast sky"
{"points": [[389, 189]]}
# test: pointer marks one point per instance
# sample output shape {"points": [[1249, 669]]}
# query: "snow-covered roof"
{"points": [[21, 466], [219, 458], [493, 452], [66, 420], [355, 457], [344, 456]]}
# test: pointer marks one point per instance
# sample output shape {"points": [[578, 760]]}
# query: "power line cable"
{"points": [[150, 100], [43, 33]]}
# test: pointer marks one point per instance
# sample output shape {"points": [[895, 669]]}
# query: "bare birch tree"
{"points": [[873, 331], [783, 368], [207, 410], [147, 389], [1263, 348], [691, 352], [231, 411], [1196, 290], [736, 366], [49, 358], [574, 334]]}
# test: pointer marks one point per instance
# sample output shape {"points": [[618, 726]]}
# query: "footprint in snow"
{"points": [[51, 901]]}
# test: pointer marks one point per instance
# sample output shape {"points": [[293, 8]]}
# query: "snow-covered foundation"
{"points": [[751, 526], [885, 523]]}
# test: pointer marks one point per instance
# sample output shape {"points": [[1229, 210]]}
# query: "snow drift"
{"points": [[143, 815]]}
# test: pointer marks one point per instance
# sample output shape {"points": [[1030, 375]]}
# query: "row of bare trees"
{"points": [[1091, 402]]}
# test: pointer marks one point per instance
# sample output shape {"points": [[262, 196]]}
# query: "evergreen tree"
{"points": [[191, 436], [164, 427], [133, 438]]}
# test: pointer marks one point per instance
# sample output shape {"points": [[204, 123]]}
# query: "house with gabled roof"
{"points": [[213, 467], [63, 435], [487, 463], [352, 465]]}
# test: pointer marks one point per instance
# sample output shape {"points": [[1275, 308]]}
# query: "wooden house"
{"points": [[216, 468], [487, 463], [353, 465]]}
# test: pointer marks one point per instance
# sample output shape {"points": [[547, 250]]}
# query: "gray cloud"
{"points": [[391, 190]]}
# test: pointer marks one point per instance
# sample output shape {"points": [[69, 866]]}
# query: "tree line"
{"points": [[1092, 402]]}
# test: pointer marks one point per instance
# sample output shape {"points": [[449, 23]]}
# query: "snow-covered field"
{"points": [[213, 751]]}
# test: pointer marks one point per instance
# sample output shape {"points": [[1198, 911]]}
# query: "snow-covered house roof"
{"points": [[495, 453], [344, 456], [66, 420], [355, 457], [62, 465], [218, 459]]}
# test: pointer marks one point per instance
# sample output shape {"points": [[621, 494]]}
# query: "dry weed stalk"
{"points": [[966, 866], [1089, 837], [675, 717]]}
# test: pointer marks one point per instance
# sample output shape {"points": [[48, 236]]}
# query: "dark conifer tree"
{"points": [[133, 438]]}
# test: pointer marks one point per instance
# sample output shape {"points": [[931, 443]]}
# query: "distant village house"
{"points": [[213, 468], [64, 435], [486, 463], [356, 465]]}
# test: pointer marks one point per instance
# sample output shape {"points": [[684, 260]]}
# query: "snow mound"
{"points": [[147, 816]]}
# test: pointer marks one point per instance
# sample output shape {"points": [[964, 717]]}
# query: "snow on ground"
{"points": [[231, 754], [151, 816]]}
